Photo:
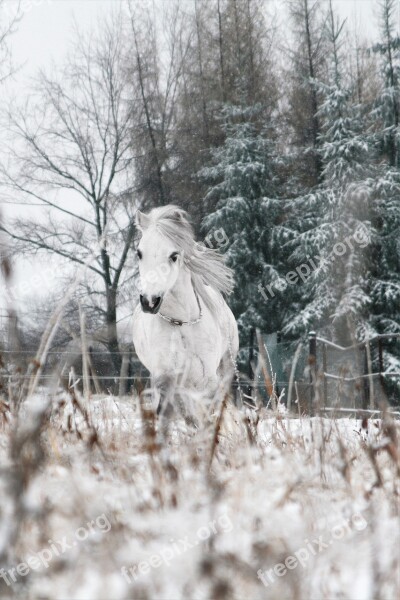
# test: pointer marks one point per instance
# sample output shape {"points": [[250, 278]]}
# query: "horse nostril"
{"points": [[144, 302], [156, 301]]}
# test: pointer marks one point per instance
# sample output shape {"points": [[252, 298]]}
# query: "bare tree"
{"points": [[8, 24], [71, 154], [159, 47], [363, 68], [307, 57], [388, 49], [230, 60]]}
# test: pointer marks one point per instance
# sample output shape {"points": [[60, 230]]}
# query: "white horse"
{"points": [[183, 331]]}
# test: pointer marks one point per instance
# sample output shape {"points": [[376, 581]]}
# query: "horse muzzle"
{"points": [[150, 304]]}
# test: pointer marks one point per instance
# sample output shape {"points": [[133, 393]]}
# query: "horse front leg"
{"points": [[164, 388], [171, 400]]}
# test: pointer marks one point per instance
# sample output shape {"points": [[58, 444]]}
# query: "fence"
{"points": [[361, 371], [319, 375], [8, 324]]}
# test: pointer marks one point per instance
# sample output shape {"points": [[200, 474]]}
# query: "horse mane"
{"points": [[206, 265]]}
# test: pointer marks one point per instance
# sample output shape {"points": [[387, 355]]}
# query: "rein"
{"points": [[178, 321]]}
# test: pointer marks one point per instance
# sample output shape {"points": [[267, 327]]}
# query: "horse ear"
{"points": [[141, 220]]}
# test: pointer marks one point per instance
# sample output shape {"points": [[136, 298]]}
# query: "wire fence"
{"points": [[318, 374]]}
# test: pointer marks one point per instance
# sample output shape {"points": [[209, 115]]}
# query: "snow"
{"points": [[278, 487]]}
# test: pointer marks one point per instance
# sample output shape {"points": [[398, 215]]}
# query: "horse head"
{"points": [[160, 253]]}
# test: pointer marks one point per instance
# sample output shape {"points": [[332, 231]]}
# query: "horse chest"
{"points": [[162, 347], [187, 343]]}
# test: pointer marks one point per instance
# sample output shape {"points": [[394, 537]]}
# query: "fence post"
{"points": [[123, 382], [312, 360], [324, 368], [370, 375], [251, 353], [367, 391], [381, 378]]}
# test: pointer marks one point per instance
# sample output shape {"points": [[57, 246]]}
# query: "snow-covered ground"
{"points": [[263, 507]]}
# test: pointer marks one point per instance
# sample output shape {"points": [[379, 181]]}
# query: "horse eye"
{"points": [[174, 256], [139, 253]]}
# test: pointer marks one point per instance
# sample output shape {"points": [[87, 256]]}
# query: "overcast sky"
{"points": [[45, 35], [45, 31]]}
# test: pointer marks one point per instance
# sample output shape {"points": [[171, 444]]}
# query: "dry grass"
{"points": [[279, 482]]}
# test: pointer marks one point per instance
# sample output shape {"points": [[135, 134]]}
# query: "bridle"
{"points": [[173, 321]]}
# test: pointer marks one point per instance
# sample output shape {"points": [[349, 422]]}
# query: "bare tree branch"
{"points": [[42, 245], [71, 149]]}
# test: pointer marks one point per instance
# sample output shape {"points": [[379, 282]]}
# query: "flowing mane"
{"points": [[206, 265]]}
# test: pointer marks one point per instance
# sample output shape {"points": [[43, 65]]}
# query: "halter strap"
{"points": [[178, 321]]}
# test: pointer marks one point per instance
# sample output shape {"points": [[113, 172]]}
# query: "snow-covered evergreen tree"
{"points": [[385, 121], [387, 109], [243, 184], [385, 289], [332, 224]]}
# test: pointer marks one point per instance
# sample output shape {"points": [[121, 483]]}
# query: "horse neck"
{"points": [[180, 302]]}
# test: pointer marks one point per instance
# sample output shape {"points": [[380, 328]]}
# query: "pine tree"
{"points": [[307, 62], [385, 291], [243, 184], [387, 109], [332, 222]]}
